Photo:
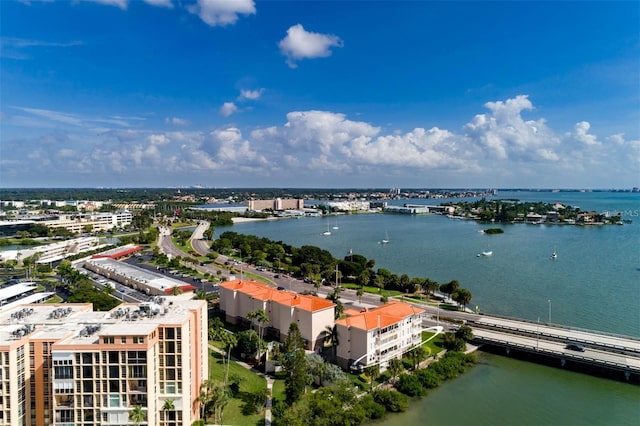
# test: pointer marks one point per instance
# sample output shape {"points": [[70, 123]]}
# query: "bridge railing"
{"points": [[553, 337], [560, 326], [558, 354]]}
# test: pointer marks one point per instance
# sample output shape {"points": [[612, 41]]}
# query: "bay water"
{"points": [[594, 283]]}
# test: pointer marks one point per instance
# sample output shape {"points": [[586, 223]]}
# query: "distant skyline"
{"points": [[349, 94]]}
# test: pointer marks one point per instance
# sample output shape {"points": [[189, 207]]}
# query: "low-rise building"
{"points": [[81, 222], [377, 335], [312, 314], [52, 252]]}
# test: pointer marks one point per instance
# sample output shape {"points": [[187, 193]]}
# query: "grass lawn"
{"points": [[235, 412], [54, 299], [435, 345]]}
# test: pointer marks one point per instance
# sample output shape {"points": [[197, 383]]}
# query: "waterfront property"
{"points": [[312, 314], [65, 364], [377, 335]]}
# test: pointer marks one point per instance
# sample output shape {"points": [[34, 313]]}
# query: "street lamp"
{"points": [[549, 311]]}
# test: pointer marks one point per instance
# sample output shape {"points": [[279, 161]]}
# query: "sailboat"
{"points": [[327, 232], [554, 255], [336, 225], [487, 253], [385, 240]]}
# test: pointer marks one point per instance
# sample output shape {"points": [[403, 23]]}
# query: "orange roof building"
{"points": [[312, 314], [377, 335]]}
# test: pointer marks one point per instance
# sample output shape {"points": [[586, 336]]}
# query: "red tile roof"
{"points": [[381, 316], [265, 292]]}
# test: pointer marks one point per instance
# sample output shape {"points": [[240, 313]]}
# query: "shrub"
{"points": [[409, 385], [371, 408], [428, 378], [393, 401]]}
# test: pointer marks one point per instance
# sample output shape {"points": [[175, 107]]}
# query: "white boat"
{"points": [[554, 255], [385, 240], [336, 226], [487, 253], [327, 232]]}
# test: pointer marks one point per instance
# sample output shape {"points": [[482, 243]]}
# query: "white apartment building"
{"points": [[96, 221], [312, 314], [377, 335], [54, 251], [66, 365]]}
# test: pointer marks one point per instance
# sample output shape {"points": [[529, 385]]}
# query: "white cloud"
{"points": [[176, 121], [160, 3], [222, 12], [122, 4], [250, 94], [301, 44], [328, 148], [228, 108]]}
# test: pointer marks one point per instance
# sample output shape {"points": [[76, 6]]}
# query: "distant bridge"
{"points": [[605, 354]]}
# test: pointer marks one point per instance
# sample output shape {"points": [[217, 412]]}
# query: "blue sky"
{"points": [[133, 93]]}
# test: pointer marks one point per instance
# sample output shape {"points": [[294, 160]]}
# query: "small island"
{"points": [[515, 211], [493, 231]]}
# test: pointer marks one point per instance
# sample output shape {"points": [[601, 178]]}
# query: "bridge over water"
{"points": [[605, 354]]}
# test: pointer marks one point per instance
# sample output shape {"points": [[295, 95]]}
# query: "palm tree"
{"points": [[169, 406], [395, 368], [331, 337], [419, 354], [137, 415], [205, 397], [176, 291], [260, 317], [373, 372], [229, 341]]}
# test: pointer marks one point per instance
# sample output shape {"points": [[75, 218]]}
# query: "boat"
{"points": [[385, 240], [487, 253], [554, 255], [336, 226], [327, 232]]}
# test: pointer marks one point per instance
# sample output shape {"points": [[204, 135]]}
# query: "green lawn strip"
{"points": [[54, 299], [435, 345], [374, 290], [235, 412]]}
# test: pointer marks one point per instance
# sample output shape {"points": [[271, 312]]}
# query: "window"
{"points": [[114, 400], [123, 340]]}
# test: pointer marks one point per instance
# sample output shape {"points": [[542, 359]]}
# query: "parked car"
{"points": [[575, 347]]}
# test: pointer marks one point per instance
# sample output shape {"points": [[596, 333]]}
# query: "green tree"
{"points": [[137, 415], [417, 355], [395, 367], [462, 296], [372, 372], [259, 317], [294, 364], [331, 337]]}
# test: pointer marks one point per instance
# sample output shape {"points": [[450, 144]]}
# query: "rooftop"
{"points": [[265, 292], [381, 316], [77, 324]]}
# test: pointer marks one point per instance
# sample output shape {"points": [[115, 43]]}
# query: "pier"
{"points": [[603, 354]]}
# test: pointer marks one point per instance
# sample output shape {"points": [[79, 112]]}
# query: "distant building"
{"points": [[52, 252], [378, 335], [312, 314], [276, 204], [96, 221], [64, 364]]}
